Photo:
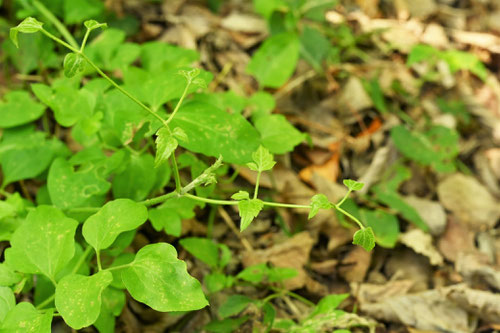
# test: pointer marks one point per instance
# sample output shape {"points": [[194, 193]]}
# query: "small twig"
{"points": [[227, 219]]}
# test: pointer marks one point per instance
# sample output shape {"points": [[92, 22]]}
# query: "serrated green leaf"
{"points": [[93, 24], [319, 201], [78, 298], [274, 62], [101, 229], [7, 301], [24, 318], [28, 26], [249, 209], [73, 64], [353, 185], [47, 240], [157, 278], [165, 146], [214, 132], [263, 160], [364, 238], [18, 108], [180, 134], [203, 249], [241, 195], [234, 305]]}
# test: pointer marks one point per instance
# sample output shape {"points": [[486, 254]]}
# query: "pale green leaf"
{"points": [[7, 301], [353, 185], [24, 318], [28, 26], [19, 108], [157, 278], [78, 298], [101, 229], [180, 134], [319, 201], [165, 146], [364, 238], [93, 24], [73, 64], [214, 132], [263, 160], [47, 239], [274, 62], [241, 195], [249, 209]]}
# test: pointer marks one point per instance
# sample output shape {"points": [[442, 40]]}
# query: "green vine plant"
{"points": [[44, 244]]}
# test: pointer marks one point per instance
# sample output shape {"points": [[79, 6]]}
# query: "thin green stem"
{"points": [[177, 176], [81, 260], [361, 226], [284, 205], [98, 257], [160, 199], [270, 297], [46, 301], [123, 91], [344, 198], [211, 201], [256, 191], [179, 103], [84, 42], [55, 21], [300, 298], [60, 41]]}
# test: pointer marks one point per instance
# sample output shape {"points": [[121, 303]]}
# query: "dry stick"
{"points": [[225, 216], [294, 83]]}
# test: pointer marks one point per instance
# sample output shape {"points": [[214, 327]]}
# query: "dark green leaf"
{"points": [[274, 62], [202, 248], [214, 132], [234, 305], [384, 225]]}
